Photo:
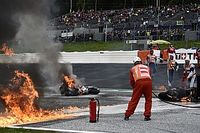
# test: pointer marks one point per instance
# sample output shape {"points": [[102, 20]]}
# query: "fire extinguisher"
{"points": [[94, 114]]}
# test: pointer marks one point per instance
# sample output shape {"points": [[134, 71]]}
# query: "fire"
{"points": [[162, 88], [19, 99], [185, 99], [69, 81], [7, 51]]}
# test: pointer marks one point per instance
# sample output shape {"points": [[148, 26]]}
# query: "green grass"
{"points": [[118, 45], [95, 46], [12, 130]]}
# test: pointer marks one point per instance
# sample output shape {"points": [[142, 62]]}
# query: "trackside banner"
{"points": [[182, 54]]}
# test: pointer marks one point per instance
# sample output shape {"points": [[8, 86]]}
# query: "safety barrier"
{"points": [[98, 57], [101, 56]]}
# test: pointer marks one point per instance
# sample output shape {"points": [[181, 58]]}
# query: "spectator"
{"points": [[171, 68], [151, 60], [171, 49], [156, 47], [192, 76], [186, 71]]}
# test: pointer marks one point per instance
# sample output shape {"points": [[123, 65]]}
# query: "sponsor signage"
{"points": [[67, 34], [131, 41], [182, 54]]}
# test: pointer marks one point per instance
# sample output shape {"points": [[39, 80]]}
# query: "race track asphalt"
{"points": [[100, 75], [112, 79], [166, 118]]}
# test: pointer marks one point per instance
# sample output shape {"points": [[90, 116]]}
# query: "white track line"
{"points": [[51, 129]]}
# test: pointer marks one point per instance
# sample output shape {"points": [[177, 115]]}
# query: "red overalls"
{"points": [[141, 83]]}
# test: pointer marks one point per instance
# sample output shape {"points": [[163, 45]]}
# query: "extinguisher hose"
{"points": [[98, 110]]}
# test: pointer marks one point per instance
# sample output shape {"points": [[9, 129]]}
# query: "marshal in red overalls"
{"points": [[141, 83]]}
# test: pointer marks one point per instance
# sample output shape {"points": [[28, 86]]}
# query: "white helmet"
{"points": [[135, 59]]}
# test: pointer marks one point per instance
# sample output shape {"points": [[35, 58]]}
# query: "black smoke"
{"points": [[9, 9], [26, 22]]}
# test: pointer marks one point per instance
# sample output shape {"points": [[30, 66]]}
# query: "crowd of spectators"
{"points": [[132, 23]]}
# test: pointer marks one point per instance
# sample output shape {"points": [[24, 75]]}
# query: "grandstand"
{"points": [[128, 23]]}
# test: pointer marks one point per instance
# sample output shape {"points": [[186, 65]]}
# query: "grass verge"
{"points": [[13, 130], [118, 45]]}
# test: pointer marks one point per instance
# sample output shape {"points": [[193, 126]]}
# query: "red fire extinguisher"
{"points": [[94, 114]]}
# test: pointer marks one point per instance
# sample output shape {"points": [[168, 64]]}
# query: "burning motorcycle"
{"points": [[70, 88]]}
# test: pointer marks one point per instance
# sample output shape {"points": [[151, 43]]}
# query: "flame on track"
{"points": [[20, 98], [7, 51]]}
